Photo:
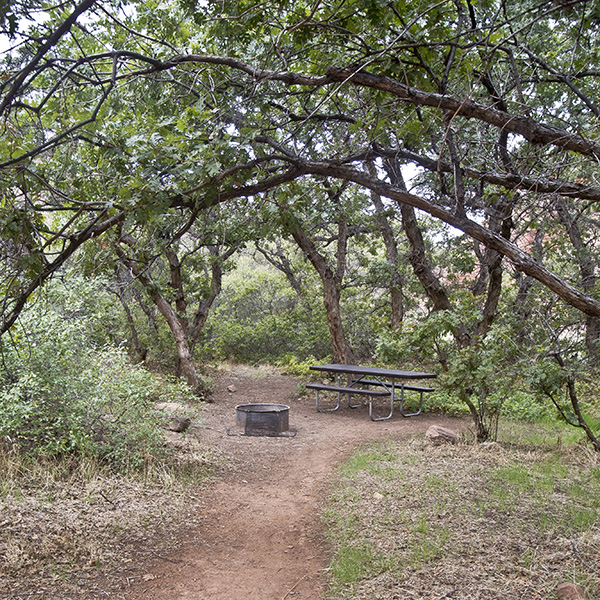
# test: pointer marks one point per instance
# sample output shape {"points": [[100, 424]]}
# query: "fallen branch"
{"points": [[164, 557], [580, 558], [295, 586]]}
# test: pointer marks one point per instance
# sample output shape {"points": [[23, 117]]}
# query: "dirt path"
{"points": [[258, 534]]}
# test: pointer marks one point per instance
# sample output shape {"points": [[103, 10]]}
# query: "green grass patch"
{"points": [[547, 435], [369, 458]]}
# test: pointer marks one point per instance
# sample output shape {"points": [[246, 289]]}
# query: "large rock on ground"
{"points": [[179, 424], [174, 422], [441, 435], [570, 591]]}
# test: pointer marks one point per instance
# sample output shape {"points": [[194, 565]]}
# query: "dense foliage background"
{"points": [[413, 184]]}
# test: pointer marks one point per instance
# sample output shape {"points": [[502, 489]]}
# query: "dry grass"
{"points": [[255, 372], [72, 529], [411, 520]]}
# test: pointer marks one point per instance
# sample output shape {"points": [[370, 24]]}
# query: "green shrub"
{"points": [[299, 368], [105, 410], [278, 326], [62, 393]]}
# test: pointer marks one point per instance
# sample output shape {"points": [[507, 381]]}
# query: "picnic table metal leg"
{"points": [[414, 414], [349, 383], [392, 398], [327, 409]]}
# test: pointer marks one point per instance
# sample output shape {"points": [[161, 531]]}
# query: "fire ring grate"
{"points": [[263, 419]]}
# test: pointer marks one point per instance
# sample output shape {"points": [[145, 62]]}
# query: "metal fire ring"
{"points": [[270, 420]]}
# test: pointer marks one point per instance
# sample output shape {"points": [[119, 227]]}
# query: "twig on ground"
{"points": [[295, 585], [164, 557], [580, 558], [115, 505]]}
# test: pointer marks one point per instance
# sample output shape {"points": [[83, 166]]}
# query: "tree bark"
{"points": [[342, 353], [179, 335], [166, 310], [587, 271]]}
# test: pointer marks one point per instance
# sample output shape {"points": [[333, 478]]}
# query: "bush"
{"points": [[61, 393], [259, 319]]}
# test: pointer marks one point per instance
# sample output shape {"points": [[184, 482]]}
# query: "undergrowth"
{"points": [[65, 520], [499, 521]]}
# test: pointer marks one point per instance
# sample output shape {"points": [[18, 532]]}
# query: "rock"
{"points": [[378, 496], [179, 424], [231, 389], [490, 445], [570, 591], [170, 407], [441, 435]]}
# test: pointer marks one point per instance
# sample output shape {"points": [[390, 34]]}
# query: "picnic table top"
{"points": [[373, 371]]}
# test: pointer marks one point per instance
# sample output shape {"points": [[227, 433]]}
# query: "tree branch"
{"points": [[52, 40], [522, 261]]}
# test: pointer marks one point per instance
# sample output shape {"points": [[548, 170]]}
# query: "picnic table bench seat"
{"points": [[343, 390], [346, 390], [412, 388]]}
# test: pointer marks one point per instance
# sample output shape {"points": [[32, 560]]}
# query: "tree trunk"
{"points": [[177, 286], [482, 432], [422, 269], [216, 285], [179, 335], [166, 310], [501, 223], [342, 353], [587, 273], [391, 252]]}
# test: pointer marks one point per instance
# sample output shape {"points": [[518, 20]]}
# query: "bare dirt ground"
{"points": [[257, 533]]}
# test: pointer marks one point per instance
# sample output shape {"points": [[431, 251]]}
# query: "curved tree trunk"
{"points": [[342, 353], [422, 269], [180, 336], [178, 329]]}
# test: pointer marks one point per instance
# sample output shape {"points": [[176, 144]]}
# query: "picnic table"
{"points": [[361, 380]]}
